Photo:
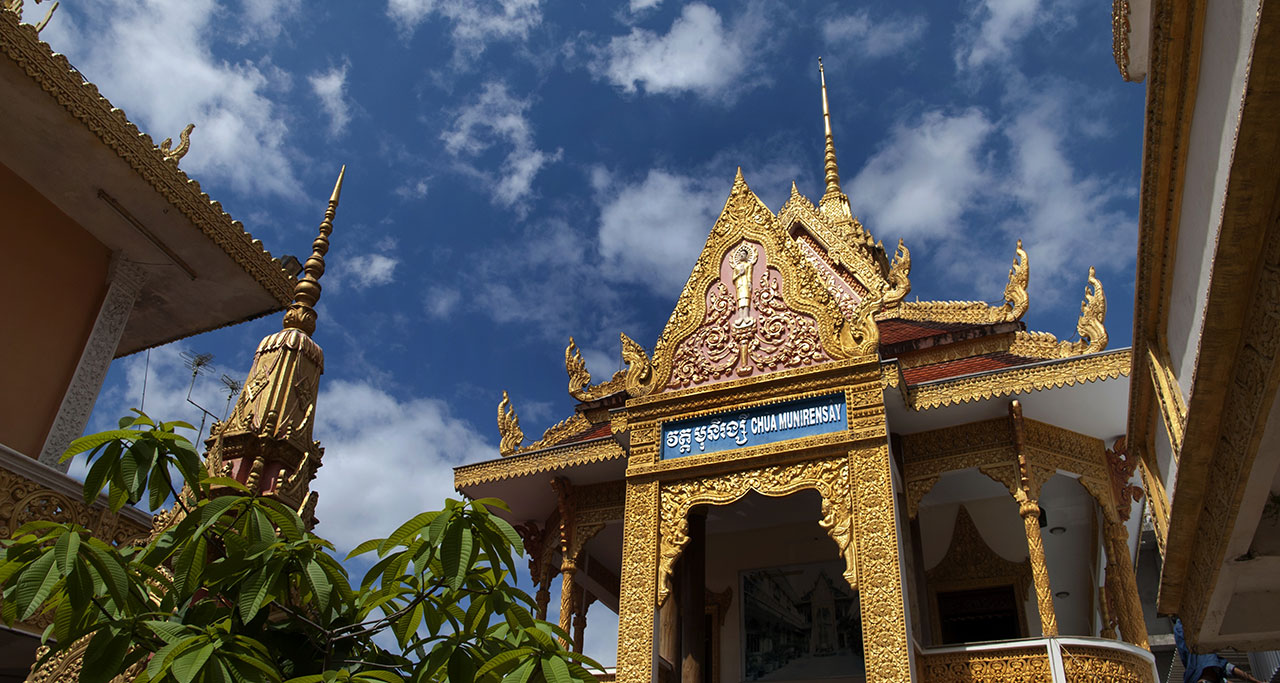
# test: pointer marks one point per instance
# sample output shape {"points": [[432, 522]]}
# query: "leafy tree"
{"points": [[236, 590]]}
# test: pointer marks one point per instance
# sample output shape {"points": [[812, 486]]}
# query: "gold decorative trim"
{"points": [[1004, 665], [1120, 29], [1085, 664], [525, 464], [1021, 379], [745, 217], [829, 476], [21, 43], [898, 284], [574, 424]]}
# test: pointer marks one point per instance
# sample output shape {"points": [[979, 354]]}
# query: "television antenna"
{"points": [[233, 387], [198, 364]]}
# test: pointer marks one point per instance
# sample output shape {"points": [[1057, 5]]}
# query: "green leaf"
{"points": [[34, 586], [462, 669], [169, 631], [503, 661], [97, 478], [384, 676], [456, 548], [91, 441], [319, 583], [227, 482], [65, 551], [523, 672], [188, 664], [409, 528], [556, 671], [253, 592], [189, 566], [104, 656], [365, 547]]}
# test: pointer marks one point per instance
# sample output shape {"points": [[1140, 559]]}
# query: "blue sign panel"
{"points": [[755, 426]]}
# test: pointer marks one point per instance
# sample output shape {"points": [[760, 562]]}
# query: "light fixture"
{"points": [[1058, 530], [1062, 594]]}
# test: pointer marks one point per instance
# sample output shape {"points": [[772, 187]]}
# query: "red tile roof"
{"points": [[602, 429], [964, 366], [896, 331]]}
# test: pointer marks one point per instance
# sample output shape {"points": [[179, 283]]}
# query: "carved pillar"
{"points": [[669, 625], [583, 602], [124, 281], [639, 583], [1133, 627], [1107, 602], [879, 577], [568, 558], [1029, 509], [693, 594], [543, 597]]}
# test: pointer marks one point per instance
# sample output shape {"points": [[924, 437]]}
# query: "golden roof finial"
{"points": [[302, 314], [832, 171]]}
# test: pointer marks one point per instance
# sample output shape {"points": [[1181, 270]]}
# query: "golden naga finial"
{"points": [[639, 368], [1093, 313], [173, 155], [48, 15], [302, 313], [860, 335], [579, 378], [1015, 293], [508, 427], [898, 284]]}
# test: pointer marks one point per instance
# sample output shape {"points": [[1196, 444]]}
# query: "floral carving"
{"points": [[774, 337]]}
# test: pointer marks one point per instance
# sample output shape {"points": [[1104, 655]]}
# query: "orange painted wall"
{"points": [[53, 276]]}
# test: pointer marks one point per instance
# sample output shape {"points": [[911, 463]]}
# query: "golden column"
{"points": [[568, 558], [1123, 583], [1030, 511]]}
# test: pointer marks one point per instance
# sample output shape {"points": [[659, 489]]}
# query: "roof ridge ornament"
{"points": [[898, 284], [174, 155], [1017, 301], [302, 314], [508, 427]]}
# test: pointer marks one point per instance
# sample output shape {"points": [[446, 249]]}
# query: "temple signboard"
{"points": [[755, 426]]}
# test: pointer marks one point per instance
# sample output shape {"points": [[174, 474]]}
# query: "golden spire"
{"points": [[832, 171], [302, 314]]}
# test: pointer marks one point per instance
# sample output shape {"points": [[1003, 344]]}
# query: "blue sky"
{"points": [[520, 172]]}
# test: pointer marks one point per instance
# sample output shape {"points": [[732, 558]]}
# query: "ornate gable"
{"points": [[754, 304]]}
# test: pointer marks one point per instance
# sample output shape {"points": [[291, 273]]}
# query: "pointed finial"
{"points": [[832, 171], [795, 191], [302, 314]]}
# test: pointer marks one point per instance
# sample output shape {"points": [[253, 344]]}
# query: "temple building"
{"points": [[1203, 414], [809, 476], [109, 249]]}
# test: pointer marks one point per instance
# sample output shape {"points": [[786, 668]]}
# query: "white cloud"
{"points": [[925, 176], [370, 270], [442, 301], [642, 5], [265, 18], [870, 38], [698, 55], [652, 231], [995, 26], [413, 189], [496, 117], [936, 180], [386, 459], [476, 23], [154, 59], [331, 88]]}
